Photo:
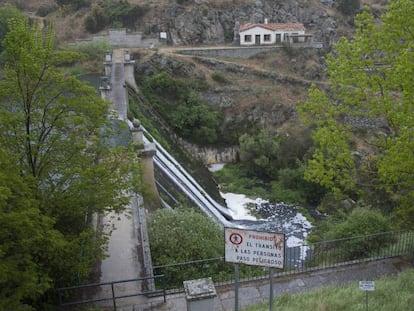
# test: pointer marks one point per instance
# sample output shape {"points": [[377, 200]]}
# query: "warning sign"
{"points": [[255, 248], [367, 286]]}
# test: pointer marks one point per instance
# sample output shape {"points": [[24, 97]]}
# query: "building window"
{"points": [[247, 38], [266, 38]]}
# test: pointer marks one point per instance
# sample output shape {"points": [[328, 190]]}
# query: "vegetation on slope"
{"points": [[361, 129], [393, 293], [364, 125]]}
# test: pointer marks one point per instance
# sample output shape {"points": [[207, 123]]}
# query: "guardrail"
{"points": [[305, 258], [69, 292], [300, 259]]}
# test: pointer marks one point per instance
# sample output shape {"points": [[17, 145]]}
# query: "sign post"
{"points": [[236, 287], [271, 289], [256, 248], [366, 286]]}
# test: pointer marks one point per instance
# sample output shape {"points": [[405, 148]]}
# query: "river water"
{"points": [[262, 215]]}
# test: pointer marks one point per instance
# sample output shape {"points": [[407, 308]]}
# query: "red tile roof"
{"points": [[273, 26]]}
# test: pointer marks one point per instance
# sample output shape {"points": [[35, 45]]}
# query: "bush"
{"points": [[218, 77], [45, 10], [118, 14], [187, 228], [348, 7], [234, 178], [259, 154], [182, 107], [195, 120], [183, 1], [94, 50], [74, 4], [195, 234], [97, 20], [282, 194], [292, 188], [361, 222]]}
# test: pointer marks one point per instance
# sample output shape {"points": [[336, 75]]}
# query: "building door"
{"points": [[278, 38], [257, 39], [295, 37]]}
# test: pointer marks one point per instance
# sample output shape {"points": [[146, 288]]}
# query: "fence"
{"points": [[304, 258], [90, 290]]}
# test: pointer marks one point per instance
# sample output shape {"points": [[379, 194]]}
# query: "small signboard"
{"points": [[367, 286], [256, 248]]}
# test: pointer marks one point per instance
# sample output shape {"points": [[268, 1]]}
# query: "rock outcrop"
{"points": [[203, 22]]}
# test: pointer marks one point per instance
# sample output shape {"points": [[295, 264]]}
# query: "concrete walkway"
{"points": [[123, 261], [118, 95], [252, 293]]}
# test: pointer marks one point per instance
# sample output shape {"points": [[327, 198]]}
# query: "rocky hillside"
{"points": [[263, 90], [191, 22]]}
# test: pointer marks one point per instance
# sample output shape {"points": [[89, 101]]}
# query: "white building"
{"points": [[272, 33]]}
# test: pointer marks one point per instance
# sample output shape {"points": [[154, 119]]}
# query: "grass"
{"points": [[391, 294]]}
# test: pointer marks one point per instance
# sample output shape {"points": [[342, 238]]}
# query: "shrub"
{"points": [[74, 4], [259, 154], [182, 107], [183, 1], [94, 50], [195, 234], [45, 10], [348, 7], [361, 222], [97, 20], [218, 77]]}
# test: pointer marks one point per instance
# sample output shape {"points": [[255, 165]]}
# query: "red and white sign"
{"points": [[254, 248]]}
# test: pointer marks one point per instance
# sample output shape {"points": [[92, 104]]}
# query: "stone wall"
{"points": [[241, 52], [212, 155], [120, 38]]}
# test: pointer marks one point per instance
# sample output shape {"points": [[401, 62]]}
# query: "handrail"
{"points": [[114, 297]]}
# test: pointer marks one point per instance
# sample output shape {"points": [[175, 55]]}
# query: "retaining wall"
{"points": [[242, 52]]}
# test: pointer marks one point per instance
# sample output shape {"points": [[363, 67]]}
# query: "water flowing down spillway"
{"points": [[277, 217], [184, 181], [272, 217]]}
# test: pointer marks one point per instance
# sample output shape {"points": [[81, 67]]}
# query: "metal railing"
{"points": [[303, 258], [299, 259], [66, 293]]}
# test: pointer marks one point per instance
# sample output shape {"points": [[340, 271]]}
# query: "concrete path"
{"points": [[253, 293], [123, 262], [118, 96]]}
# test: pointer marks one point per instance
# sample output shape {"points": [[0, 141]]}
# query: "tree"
{"points": [[29, 241], [260, 153], [6, 12], [195, 120], [54, 129], [97, 20], [365, 129]]}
